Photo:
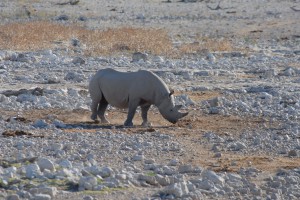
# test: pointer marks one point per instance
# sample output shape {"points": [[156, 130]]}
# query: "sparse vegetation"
{"points": [[151, 174], [40, 35], [206, 44], [104, 190]]}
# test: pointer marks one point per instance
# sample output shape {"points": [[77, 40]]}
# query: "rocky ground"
{"points": [[241, 139]]}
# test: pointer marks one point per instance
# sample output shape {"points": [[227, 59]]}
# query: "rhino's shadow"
{"points": [[92, 125]]}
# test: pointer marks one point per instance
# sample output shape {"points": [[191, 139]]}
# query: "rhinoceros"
{"points": [[130, 90]]}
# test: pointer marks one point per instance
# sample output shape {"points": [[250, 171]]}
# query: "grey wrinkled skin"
{"points": [[130, 90]]}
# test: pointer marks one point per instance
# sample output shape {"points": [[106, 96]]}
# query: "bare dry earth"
{"points": [[246, 20], [189, 132]]}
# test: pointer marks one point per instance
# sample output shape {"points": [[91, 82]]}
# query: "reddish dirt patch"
{"points": [[189, 132]]}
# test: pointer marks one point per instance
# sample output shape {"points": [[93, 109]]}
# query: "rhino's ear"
{"points": [[171, 92]]}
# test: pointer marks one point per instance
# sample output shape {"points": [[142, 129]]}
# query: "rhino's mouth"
{"points": [[173, 121]]}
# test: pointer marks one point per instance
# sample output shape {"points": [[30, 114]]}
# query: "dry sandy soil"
{"points": [[188, 131], [246, 23]]}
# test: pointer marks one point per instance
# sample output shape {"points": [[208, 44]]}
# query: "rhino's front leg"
{"points": [[145, 110], [131, 112]]}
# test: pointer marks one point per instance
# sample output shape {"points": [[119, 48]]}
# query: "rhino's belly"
{"points": [[117, 102]]}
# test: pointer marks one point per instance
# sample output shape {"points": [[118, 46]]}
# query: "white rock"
{"points": [[12, 197], [289, 72], [41, 197], [177, 189], [212, 176], [141, 16], [74, 76], [205, 185], [12, 169], [292, 153], [64, 173], [185, 169], [52, 191], [148, 179], [173, 162], [158, 59], [162, 180], [191, 187], [167, 170], [211, 57], [149, 161], [56, 146], [137, 56], [237, 146], [47, 173], [45, 163], [78, 60], [95, 170], [40, 123], [121, 176], [87, 183], [65, 164], [138, 158], [106, 172], [88, 198], [32, 171], [59, 124], [234, 177]]}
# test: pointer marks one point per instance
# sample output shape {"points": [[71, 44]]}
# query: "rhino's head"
{"points": [[168, 109]]}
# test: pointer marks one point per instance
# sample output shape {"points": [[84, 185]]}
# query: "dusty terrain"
{"points": [[238, 51], [188, 131]]}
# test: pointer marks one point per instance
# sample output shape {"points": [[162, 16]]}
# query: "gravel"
{"points": [[107, 159], [51, 159]]}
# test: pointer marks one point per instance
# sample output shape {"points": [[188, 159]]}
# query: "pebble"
{"points": [[41, 197], [65, 164], [138, 158], [137, 56], [292, 153], [32, 171], [87, 183], [212, 176], [13, 197], [88, 198], [45, 163], [91, 160], [176, 189]]}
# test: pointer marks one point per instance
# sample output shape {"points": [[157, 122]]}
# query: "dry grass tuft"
{"points": [[33, 35], [40, 35], [206, 44], [155, 41]]}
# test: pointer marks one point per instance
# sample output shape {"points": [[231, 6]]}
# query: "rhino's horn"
{"points": [[183, 114], [177, 107]]}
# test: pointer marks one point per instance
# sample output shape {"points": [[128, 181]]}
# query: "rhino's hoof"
{"points": [[104, 121], [146, 124], [94, 117], [128, 124]]}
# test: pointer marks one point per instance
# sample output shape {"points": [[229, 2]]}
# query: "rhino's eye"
{"points": [[171, 110]]}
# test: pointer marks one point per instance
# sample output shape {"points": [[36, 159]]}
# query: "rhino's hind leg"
{"points": [[101, 110], [145, 110], [94, 107]]}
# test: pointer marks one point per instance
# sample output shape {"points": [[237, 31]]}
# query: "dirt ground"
{"points": [[188, 132]]}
